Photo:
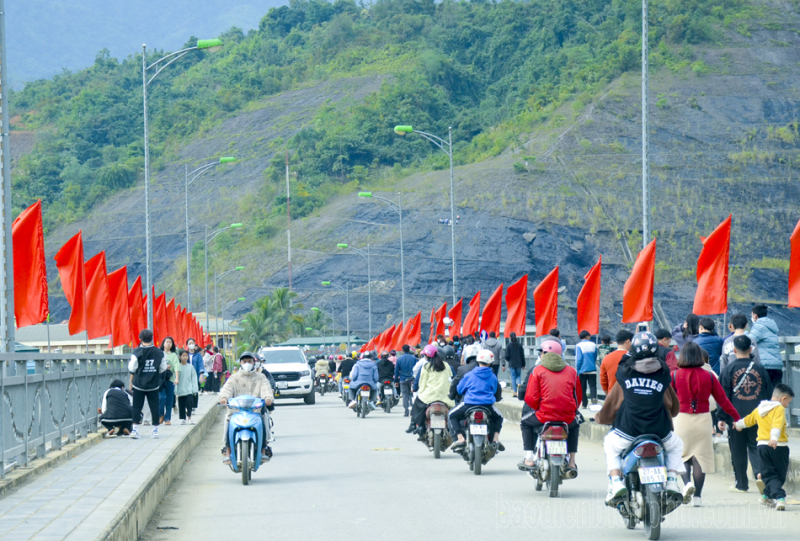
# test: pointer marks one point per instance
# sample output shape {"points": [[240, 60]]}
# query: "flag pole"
{"points": [[47, 322]]}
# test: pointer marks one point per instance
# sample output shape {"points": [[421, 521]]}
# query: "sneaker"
{"points": [[183, 421], [760, 484], [766, 501], [154, 435], [146, 423], [352, 404], [616, 490], [458, 446], [734, 488], [190, 422], [697, 501], [411, 428], [780, 505], [135, 435], [500, 446], [372, 405], [688, 491]]}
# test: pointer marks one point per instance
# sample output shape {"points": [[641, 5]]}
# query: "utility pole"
{"points": [[288, 221], [7, 325], [645, 135]]}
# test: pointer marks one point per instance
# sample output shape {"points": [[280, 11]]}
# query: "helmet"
{"points": [[355, 354], [552, 346], [485, 357], [644, 345], [430, 351], [471, 351], [448, 322], [246, 354], [449, 353]]}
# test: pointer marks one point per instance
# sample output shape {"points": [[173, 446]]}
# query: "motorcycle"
{"points": [[245, 435], [551, 458], [321, 385], [346, 391], [438, 438], [331, 382], [479, 449], [362, 401], [388, 396], [645, 476]]}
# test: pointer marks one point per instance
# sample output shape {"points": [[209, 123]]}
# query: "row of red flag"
{"points": [[101, 302], [711, 297]]}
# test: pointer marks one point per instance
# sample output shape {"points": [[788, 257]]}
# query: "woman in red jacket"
{"points": [[694, 385]]}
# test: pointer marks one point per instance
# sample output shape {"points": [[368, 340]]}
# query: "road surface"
{"points": [[337, 477]]}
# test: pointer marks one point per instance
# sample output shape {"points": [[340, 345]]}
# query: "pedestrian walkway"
{"points": [[84, 497]]}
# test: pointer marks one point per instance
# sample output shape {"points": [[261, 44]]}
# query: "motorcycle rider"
{"points": [[450, 357], [434, 384], [247, 381], [552, 393], [321, 368], [344, 370], [385, 368], [642, 402], [470, 362], [403, 373], [479, 387], [365, 372]]}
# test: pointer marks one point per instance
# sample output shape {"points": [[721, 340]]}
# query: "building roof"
{"points": [[321, 340], [59, 334], [215, 324]]}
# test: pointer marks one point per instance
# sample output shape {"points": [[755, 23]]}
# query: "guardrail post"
{"points": [[3, 368], [21, 368], [38, 370]]}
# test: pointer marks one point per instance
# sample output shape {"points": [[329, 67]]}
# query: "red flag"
{"points": [[414, 334], [172, 327], [473, 316], [160, 318], [589, 301], [387, 339], [455, 315], [30, 270], [711, 296], [516, 307], [545, 303], [399, 336], [69, 261], [794, 268], [432, 333], [491, 312], [637, 295], [441, 313], [136, 304], [98, 307], [120, 307]]}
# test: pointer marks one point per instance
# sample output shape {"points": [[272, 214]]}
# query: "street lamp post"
{"points": [[211, 45], [240, 299], [346, 291], [365, 255], [397, 208], [205, 255], [217, 279], [194, 174], [447, 148], [7, 325]]}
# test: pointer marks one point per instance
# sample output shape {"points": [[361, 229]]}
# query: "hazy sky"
{"points": [[45, 36]]}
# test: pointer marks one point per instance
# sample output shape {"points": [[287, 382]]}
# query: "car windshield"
{"points": [[276, 356]]}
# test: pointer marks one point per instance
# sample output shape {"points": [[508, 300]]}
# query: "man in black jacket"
{"points": [[344, 369], [146, 366], [746, 383], [515, 358]]}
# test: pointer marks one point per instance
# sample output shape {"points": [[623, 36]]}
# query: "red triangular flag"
{"points": [[589, 301], [136, 304], [69, 261], [794, 268], [414, 335], [491, 312], [441, 313], [711, 296], [30, 270], [98, 306], [516, 307], [432, 333], [637, 295], [545, 303], [172, 327], [455, 315], [471, 322], [160, 318], [120, 307]]}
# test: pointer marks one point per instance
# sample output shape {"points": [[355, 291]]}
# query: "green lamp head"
{"points": [[364, 194], [239, 268], [236, 226], [326, 283], [402, 130], [227, 159], [341, 245], [210, 45], [241, 299]]}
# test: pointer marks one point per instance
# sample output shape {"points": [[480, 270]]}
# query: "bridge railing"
{"points": [[49, 397], [791, 373]]}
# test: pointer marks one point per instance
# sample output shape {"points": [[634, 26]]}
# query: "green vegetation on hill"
{"points": [[487, 69]]}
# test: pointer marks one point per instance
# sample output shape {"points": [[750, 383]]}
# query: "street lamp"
{"points": [[205, 255], [212, 46], [217, 279], [397, 208], [194, 174], [240, 299], [347, 295], [447, 148], [365, 255]]}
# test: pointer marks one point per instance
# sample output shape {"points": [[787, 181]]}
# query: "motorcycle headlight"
{"points": [[305, 373]]}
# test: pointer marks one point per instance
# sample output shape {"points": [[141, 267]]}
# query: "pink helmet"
{"points": [[551, 346], [430, 351]]}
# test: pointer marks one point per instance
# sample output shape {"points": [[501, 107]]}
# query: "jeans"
{"points": [[589, 387], [138, 403], [516, 373], [373, 393], [614, 445], [405, 390], [165, 398]]}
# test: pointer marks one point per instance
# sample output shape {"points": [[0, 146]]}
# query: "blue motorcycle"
{"points": [[645, 476], [246, 435]]}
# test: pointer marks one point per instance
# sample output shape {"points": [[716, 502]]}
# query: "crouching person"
{"points": [[116, 412]]}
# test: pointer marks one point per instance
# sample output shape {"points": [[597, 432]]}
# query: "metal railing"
{"points": [[47, 397], [791, 373]]}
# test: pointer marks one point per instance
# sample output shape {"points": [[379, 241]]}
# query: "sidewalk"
{"points": [[106, 492]]}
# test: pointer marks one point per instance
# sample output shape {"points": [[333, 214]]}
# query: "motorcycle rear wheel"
{"points": [[363, 410], [553, 480], [437, 445], [652, 513], [477, 460], [322, 389], [245, 454]]}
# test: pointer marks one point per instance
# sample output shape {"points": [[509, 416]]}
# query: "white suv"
{"points": [[289, 368]]}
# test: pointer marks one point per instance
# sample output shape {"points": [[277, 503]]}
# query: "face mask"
{"points": [[247, 367]]}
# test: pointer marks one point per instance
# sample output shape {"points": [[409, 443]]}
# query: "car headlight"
{"points": [[305, 373]]}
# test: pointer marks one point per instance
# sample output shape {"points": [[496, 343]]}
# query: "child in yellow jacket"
{"points": [[773, 443]]}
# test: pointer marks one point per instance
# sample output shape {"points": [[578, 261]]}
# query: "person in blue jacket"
{"points": [[710, 342], [478, 387], [586, 364], [365, 372]]}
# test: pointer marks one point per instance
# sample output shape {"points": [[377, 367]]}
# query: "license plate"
{"points": [[438, 422], [282, 385], [556, 447], [388, 390], [649, 476], [345, 386], [365, 394], [479, 430]]}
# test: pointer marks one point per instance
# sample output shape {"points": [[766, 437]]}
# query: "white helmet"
{"points": [[485, 357], [471, 351]]}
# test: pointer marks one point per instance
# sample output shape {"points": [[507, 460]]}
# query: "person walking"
{"points": [[186, 388], [737, 326], [604, 348], [687, 331], [608, 368], [493, 345], [694, 386], [586, 364], [404, 373], [216, 370], [167, 393], [746, 383], [765, 334], [208, 366], [116, 414], [515, 358], [196, 358], [710, 341], [146, 366]]}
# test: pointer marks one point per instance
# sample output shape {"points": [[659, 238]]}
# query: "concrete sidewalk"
{"points": [[108, 491]]}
